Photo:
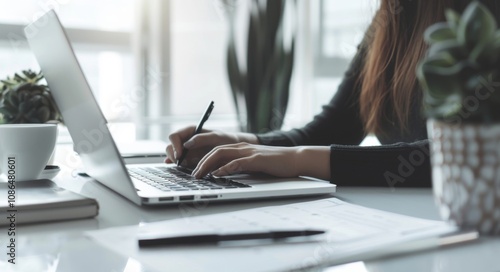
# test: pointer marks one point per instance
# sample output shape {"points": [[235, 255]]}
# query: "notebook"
{"points": [[42, 201], [146, 184]]}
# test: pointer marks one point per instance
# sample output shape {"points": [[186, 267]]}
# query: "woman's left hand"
{"points": [[243, 157]]}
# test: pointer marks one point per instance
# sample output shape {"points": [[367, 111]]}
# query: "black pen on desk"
{"points": [[200, 239], [198, 129]]}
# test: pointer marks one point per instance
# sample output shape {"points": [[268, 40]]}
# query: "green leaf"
{"points": [[6, 111], [18, 78], [263, 83], [485, 54], [285, 76], [438, 78], [449, 47], [441, 109], [453, 19], [477, 25], [496, 39], [275, 10], [42, 114], [435, 64], [439, 32], [254, 60], [236, 78], [11, 98]]}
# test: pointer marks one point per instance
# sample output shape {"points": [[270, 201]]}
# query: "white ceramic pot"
{"points": [[466, 174]]}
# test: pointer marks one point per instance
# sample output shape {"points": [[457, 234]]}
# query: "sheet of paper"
{"points": [[351, 231]]}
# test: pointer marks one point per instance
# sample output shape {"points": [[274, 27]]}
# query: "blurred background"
{"points": [[154, 65]]}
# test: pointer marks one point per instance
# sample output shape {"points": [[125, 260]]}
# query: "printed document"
{"points": [[353, 233]]}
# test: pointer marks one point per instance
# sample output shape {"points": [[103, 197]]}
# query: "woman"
{"points": [[379, 94]]}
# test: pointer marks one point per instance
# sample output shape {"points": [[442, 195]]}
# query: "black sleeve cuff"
{"points": [[395, 165]]}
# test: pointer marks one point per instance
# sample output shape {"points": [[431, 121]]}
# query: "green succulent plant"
{"points": [[23, 99], [261, 89], [460, 75]]}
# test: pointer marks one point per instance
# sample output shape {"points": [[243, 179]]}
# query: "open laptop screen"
{"points": [[74, 98]]}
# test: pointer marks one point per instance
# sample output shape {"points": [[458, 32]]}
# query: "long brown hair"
{"points": [[395, 46]]}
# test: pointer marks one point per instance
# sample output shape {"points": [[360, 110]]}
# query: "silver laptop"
{"points": [[145, 184]]}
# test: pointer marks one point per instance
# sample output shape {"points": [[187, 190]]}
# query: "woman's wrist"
{"points": [[313, 161], [250, 138]]}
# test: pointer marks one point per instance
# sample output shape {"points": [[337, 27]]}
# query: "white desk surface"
{"points": [[60, 246]]}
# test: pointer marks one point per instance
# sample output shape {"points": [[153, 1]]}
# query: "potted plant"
{"points": [[23, 99], [261, 89], [461, 78]]}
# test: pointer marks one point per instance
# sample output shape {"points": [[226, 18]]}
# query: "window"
{"points": [[330, 32], [198, 64], [154, 65], [100, 36]]}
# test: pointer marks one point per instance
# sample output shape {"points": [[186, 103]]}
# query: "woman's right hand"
{"points": [[202, 143]]}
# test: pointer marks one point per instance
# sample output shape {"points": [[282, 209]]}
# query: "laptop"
{"points": [[144, 184]]}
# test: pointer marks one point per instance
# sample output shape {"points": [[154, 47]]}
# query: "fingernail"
{"points": [[189, 144], [175, 155]]}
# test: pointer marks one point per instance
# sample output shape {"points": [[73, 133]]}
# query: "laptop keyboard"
{"points": [[178, 179]]}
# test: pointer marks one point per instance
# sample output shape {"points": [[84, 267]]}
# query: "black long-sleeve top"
{"points": [[401, 161]]}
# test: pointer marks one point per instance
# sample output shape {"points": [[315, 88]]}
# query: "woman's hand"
{"points": [[200, 144], [277, 161]]}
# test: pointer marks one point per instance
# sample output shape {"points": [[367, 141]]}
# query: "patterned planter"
{"points": [[466, 174]]}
